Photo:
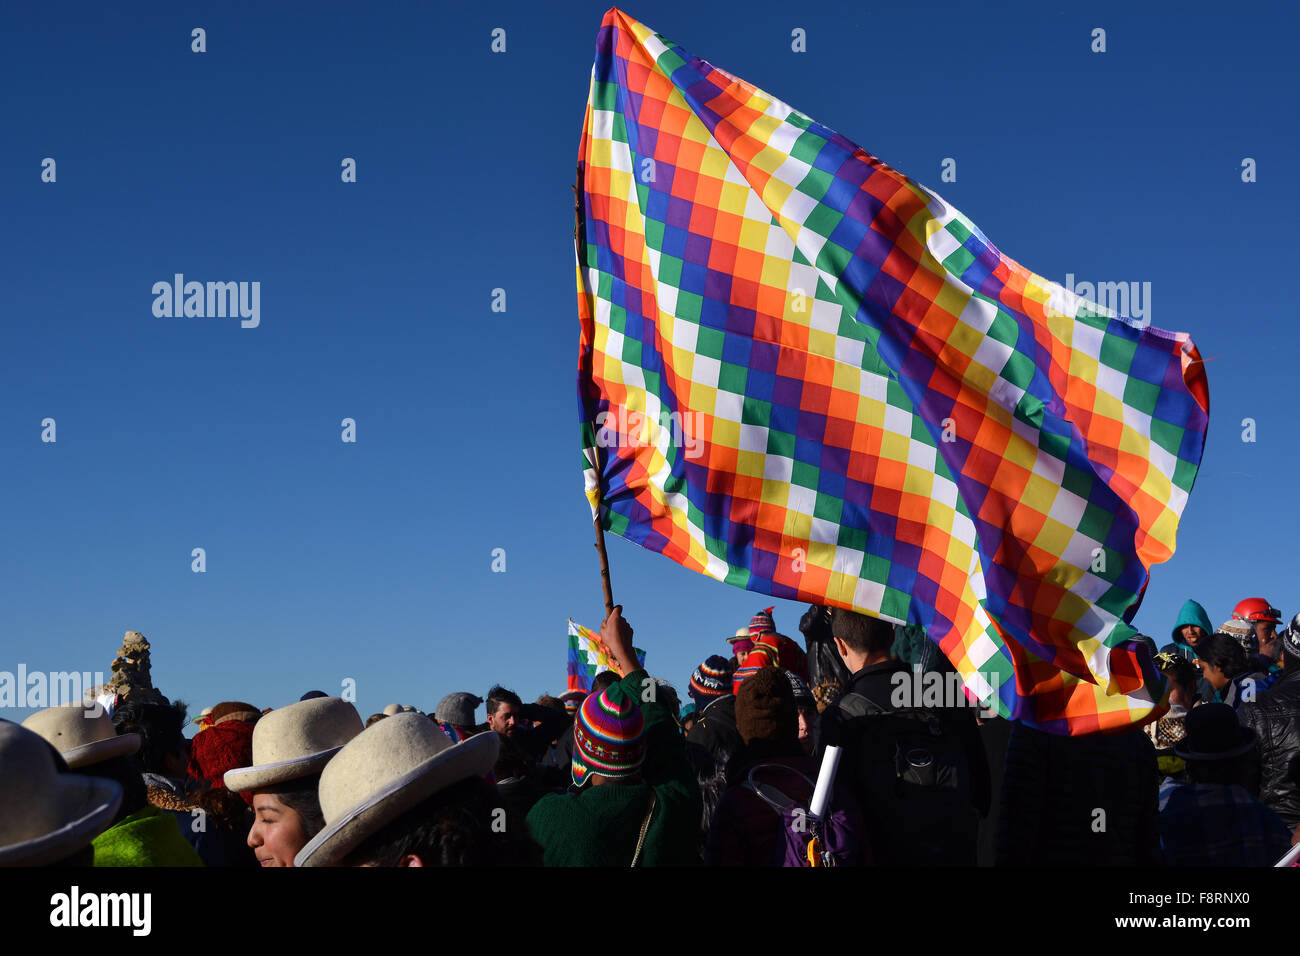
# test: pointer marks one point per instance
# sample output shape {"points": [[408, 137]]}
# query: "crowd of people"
{"points": [[627, 775]]}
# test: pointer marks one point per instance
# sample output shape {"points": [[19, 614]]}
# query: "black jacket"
{"points": [[1275, 718], [710, 744], [877, 682], [714, 737], [827, 675], [1079, 801], [891, 843]]}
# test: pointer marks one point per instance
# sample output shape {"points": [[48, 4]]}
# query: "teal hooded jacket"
{"points": [[1192, 613]]}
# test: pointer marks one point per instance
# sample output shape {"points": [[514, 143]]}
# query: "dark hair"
{"points": [[451, 828], [603, 681], [864, 635], [498, 695], [668, 697], [551, 703], [122, 771], [1181, 672], [1222, 651], [160, 727], [302, 796]]}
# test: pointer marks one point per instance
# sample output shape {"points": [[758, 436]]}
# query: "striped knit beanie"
{"points": [[608, 736], [1243, 633], [761, 623], [711, 680]]}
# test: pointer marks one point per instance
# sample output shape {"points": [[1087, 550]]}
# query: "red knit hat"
{"points": [[223, 747]]}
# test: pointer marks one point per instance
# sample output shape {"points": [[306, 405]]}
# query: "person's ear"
{"points": [[410, 860], [841, 648]]}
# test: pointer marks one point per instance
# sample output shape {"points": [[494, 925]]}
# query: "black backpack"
{"points": [[913, 779]]}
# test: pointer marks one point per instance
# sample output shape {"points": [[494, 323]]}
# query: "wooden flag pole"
{"points": [[604, 565], [580, 247]]}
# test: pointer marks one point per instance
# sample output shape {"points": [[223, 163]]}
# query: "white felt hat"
{"points": [[46, 815], [83, 733], [384, 771], [296, 741]]}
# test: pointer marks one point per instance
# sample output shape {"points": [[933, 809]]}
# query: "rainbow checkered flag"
{"points": [[588, 656], [805, 374]]}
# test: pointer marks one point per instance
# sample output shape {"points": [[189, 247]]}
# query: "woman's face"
{"points": [[807, 721], [277, 833]]}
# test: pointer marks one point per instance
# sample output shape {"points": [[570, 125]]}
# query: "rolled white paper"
{"points": [[825, 782]]}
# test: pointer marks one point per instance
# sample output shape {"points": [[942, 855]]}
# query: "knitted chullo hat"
{"points": [[761, 623], [608, 736], [765, 708], [1291, 638], [1243, 632], [712, 679]]}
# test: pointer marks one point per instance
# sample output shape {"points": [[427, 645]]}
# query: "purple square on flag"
{"points": [[679, 212], [697, 249], [787, 391], [764, 356]]}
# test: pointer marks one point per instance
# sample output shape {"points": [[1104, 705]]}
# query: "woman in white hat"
{"points": [[402, 794], [140, 834], [47, 816], [291, 746]]}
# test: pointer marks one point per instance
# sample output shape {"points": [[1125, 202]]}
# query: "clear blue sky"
{"points": [[372, 560]]}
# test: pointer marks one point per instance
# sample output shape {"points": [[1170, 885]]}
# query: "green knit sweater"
{"points": [[148, 837], [598, 826]]}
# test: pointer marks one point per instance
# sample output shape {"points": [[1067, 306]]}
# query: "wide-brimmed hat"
{"points": [[83, 733], [384, 771], [742, 634], [1213, 733], [296, 741], [46, 815]]}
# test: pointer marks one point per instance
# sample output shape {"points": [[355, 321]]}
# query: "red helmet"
{"points": [[1257, 609]]}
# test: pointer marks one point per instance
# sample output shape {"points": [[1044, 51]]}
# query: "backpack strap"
{"points": [[856, 705]]}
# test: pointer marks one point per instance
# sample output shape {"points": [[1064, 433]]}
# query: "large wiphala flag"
{"points": [[805, 374]]}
